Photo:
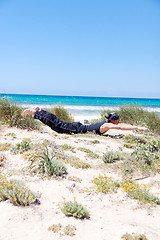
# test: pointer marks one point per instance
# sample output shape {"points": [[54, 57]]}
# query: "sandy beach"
{"points": [[111, 215]]}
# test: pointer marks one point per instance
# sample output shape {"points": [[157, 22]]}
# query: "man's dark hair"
{"points": [[112, 116]]}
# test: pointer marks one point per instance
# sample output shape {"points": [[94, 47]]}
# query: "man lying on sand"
{"points": [[60, 126]]}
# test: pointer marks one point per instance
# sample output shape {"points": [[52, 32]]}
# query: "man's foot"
{"points": [[30, 111]]}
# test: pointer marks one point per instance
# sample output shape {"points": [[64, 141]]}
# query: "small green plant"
{"points": [[55, 228], [5, 146], [95, 142], [74, 209], [128, 145], [134, 236], [68, 230], [67, 147], [110, 157], [74, 179], [129, 167], [17, 192], [77, 163], [10, 135], [49, 165], [139, 192], [105, 184], [21, 147], [2, 158], [89, 152]]}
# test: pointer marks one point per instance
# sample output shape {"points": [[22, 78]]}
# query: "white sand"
{"points": [[111, 215]]}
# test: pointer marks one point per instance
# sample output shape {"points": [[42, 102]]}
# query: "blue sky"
{"points": [[80, 47]]}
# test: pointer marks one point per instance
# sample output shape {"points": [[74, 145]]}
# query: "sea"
{"points": [[82, 107]]}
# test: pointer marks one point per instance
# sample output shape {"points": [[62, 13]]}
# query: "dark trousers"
{"points": [[56, 124]]}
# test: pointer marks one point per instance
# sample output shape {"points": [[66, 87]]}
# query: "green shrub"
{"points": [[144, 159], [49, 165], [17, 192], [110, 157], [146, 155], [74, 209], [105, 184], [10, 114]]}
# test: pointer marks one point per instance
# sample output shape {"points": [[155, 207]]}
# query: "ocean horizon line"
{"points": [[64, 95]]}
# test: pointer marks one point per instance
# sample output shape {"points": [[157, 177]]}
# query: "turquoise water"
{"points": [[82, 106]]}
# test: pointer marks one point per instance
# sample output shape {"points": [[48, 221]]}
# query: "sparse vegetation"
{"points": [[89, 152], [21, 147], [67, 147], [68, 230], [134, 236], [74, 179], [77, 163], [10, 135], [144, 159], [5, 146], [105, 184], [95, 142], [139, 192]]}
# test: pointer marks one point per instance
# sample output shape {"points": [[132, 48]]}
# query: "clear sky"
{"points": [[80, 47]]}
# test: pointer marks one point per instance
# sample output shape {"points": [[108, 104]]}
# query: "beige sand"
{"points": [[111, 215]]}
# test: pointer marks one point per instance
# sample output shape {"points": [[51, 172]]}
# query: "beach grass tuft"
{"points": [[61, 113], [48, 164], [10, 114]]}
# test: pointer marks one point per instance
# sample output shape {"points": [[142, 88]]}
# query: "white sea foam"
{"points": [[87, 108], [71, 107]]}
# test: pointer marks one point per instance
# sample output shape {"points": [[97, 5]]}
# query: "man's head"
{"points": [[113, 118]]}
